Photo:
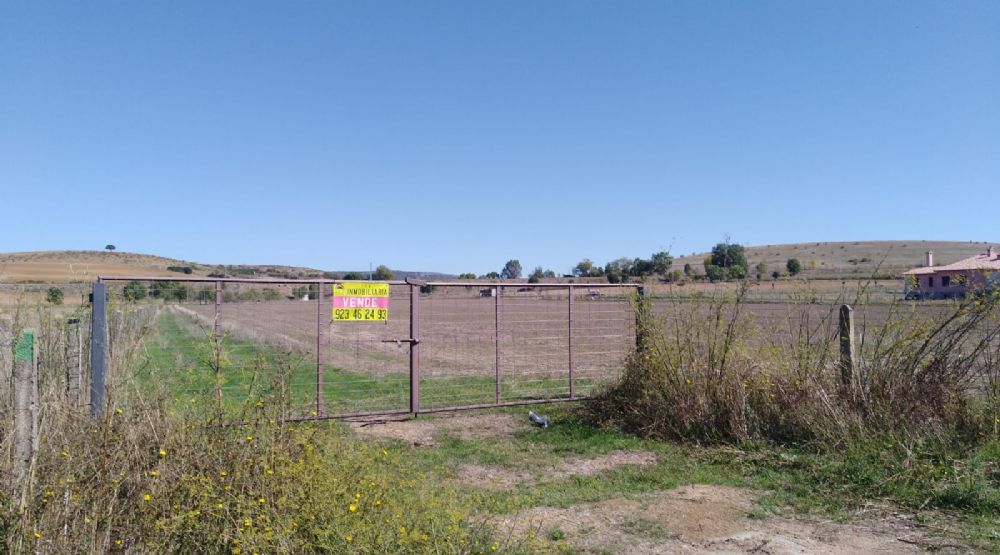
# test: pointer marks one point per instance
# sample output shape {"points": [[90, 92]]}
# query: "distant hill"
{"points": [[85, 266], [850, 259]]}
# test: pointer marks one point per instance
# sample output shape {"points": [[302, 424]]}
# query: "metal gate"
{"points": [[444, 346]]}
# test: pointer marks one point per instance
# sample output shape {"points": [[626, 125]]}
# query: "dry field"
{"points": [[458, 349]]}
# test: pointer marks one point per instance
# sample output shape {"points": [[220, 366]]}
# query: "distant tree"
{"points": [[511, 270], [134, 291], [613, 275], [732, 257], [688, 269], [168, 291], [586, 268], [536, 275], [54, 295], [775, 274], [793, 266], [467, 276], [662, 261], [109, 248], [761, 270], [491, 275], [640, 267], [716, 273], [353, 276], [549, 274], [383, 273]]}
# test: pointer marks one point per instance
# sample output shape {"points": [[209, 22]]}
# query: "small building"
{"points": [[976, 273]]}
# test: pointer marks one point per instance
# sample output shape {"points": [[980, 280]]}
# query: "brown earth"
{"points": [[709, 519]]}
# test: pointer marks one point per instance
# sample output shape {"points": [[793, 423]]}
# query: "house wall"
{"points": [[975, 280]]}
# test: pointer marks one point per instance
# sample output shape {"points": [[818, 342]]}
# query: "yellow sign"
{"points": [[361, 301]]}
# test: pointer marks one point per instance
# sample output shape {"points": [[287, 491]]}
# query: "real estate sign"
{"points": [[360, 301]]}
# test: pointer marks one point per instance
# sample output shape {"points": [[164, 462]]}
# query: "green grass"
{"points": [[181, 358], [790, 481]]}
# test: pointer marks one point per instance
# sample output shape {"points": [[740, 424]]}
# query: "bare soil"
{"points": [[708, 519], [428, 431], [499, 478]]}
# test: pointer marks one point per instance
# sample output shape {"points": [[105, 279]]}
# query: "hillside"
{"points": [[851, 259], [85, 266]]}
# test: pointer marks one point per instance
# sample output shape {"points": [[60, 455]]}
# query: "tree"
{"points": [[354, 276], [536, 275], [134, 291], [732, 257], [716, 273], [54, 295], [383, 273], [775, 274], [585, 268], [491, 275], [641, 267], [109, 248], [467, 276], [761, 270], [662, 261], [793, 266], [688, 269], [511, 270]]}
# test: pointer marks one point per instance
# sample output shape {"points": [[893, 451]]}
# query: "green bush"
{"points": [[54, 295]]}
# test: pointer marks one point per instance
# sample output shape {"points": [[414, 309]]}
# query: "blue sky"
{"points": [[453, 136]]}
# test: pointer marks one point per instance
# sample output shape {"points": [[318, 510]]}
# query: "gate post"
{"points": [[569, 328], [414, 349], [217, 335], [497, 320], [319, 357], [98, 345]]}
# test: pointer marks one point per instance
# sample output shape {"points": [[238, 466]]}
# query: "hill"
{"points": [[85, 266], [849, 259]]}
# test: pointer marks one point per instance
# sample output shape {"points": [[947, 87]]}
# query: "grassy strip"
{"points": [[183, 363]]}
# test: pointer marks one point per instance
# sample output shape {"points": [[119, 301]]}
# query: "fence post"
{"points": [[497, 329], [98, 344], [319, 358], [217, 336], [74, 362], [569, 341], [847, 349], [641, 316], [25, 402], [414, 349]]}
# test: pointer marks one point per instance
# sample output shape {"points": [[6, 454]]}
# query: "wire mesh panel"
{"points": [[458, 346], [366, 364], [603, 334]]}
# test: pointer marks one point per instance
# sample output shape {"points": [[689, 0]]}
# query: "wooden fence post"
{"points": [[25, 403], [847, 349], [74, 362]]}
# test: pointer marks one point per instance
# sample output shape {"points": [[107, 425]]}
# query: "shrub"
{"points": [[134, 291], [54, 295]]}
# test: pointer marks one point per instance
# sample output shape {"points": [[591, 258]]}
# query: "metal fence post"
{"points": [[218, 346], [847, 351], [414, 349], [497, 321], [98, 345], [74, 362], [319, 358], [569, 341]]}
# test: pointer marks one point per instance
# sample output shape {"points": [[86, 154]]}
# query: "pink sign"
{"points": [[361, 302]]}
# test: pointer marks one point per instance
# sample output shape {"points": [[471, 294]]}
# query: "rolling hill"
{"points": [[849, 259]]}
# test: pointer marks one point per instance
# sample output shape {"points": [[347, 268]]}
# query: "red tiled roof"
{"points": [[987, 261]]}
